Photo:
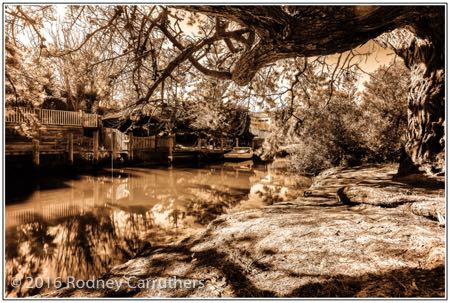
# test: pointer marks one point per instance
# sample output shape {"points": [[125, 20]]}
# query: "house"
{"points": [[260, 125]]}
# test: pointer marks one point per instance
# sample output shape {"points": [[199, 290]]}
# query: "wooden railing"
{"points": [[145, 143], [89, 120], [51, 117]]}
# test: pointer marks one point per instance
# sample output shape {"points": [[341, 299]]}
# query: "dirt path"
{"points": [[311, 247]]}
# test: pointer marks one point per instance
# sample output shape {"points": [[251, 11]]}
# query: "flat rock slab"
{"points": [[311, 247]]}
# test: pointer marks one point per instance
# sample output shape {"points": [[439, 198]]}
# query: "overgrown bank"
{"points": [[312, 246]]}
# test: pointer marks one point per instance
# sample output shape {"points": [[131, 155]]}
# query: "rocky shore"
{"points": [[387, 239]]}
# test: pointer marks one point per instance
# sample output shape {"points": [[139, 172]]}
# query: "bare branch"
{"points": [[184, 55], [197, 65], [89, 36]]}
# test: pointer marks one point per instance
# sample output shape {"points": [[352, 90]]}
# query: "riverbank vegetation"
{"points": [[351, 127]]}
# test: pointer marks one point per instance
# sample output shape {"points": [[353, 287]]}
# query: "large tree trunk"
{"points": [[426, 108], [425, 57]]}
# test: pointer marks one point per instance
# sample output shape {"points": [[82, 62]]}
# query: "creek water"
{"points": [[80, 227]]}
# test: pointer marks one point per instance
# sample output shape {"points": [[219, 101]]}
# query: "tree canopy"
{"points": [[127, 55]]}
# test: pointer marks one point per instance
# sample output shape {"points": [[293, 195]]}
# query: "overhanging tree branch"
{"points": [[308, 30], [183, 56], [195, 63]]}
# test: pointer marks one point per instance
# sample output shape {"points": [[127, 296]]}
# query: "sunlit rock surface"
{"points": [[310, 247]]}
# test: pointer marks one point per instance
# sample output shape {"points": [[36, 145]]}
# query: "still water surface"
{"points": [[81, 227]]}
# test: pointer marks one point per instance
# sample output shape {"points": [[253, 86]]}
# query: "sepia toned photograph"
{"points": [[218, 151]]}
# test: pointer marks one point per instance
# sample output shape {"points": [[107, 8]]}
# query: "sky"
{"points": [[378, 56]]}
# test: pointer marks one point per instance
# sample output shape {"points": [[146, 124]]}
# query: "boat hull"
{"points": [[238, 157]]}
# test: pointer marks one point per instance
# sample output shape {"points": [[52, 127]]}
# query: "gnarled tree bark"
{"points": [[425, 57], [426, 106]]}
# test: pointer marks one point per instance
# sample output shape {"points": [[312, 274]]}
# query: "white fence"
{"points": [[51, 117]]}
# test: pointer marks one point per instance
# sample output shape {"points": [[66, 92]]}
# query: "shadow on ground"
{"points": [[310, 247]]}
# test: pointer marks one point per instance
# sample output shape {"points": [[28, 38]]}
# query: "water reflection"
{"points": [[88, 225]]}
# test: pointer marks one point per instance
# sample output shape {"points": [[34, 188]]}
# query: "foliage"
{"points": [[384, 102], [24, 85], [326, 132], [212, 109]]}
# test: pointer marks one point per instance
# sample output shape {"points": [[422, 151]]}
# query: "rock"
{"points": [[311, 247], [343, 198]]}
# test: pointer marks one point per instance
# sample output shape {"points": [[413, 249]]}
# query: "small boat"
{"points": [[239, 153], [245, 165]]}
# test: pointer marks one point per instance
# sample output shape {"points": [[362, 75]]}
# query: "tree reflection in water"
{"points": [[83, 229]]}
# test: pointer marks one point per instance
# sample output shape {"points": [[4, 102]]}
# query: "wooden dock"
{"points": [[71, 134], [60, 132]]}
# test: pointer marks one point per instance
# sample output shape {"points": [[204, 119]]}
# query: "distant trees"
{"points": [[218, 109], [385, 111], [349, 128], [41, 72], [319, 130], [28, 75], [25, 81], [26, 85]]}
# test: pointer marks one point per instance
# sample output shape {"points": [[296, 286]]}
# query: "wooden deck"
{"points": [[60, 132], [51, 117], [76, 133]]}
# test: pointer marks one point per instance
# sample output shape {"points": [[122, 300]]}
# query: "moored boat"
{"points": [[239, 153]]}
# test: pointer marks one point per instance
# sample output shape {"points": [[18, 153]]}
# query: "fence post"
{"points": [[95, 145], [130, 146], [170, 146], [82, 118], [113, 142], [71, 148], [36, 158]]}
